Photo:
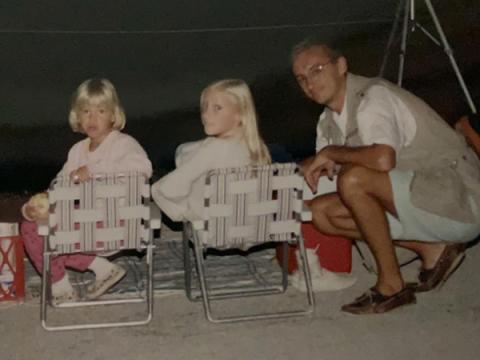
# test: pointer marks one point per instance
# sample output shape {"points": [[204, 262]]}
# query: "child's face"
{"points": [[96, 120], [220, 115]]}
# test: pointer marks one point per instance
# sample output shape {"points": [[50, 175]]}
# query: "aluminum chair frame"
{"points": [[146, 214], [195, 235]]}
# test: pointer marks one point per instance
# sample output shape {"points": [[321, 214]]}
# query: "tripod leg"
{"points": [[391, 38], [403, 47], [449, 53]]}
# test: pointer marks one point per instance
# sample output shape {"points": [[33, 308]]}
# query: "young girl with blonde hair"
{"points": [[230, 122], [96, 112]]}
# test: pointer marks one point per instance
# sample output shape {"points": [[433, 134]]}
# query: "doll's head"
{"points": [[36, 208]]}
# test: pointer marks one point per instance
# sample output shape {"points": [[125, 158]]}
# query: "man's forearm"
{"points": [[305, 163], [377, 156]]}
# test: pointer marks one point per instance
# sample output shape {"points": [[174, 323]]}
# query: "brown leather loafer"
{"points": [[372, 302], [449, 261]]}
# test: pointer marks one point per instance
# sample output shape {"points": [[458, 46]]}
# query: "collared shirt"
{"points": [[382, 119]]}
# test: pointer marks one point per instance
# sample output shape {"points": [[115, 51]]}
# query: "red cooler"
{"points": [[334, 252]]}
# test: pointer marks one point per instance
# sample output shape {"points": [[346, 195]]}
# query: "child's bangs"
{"points": [[96, 100]]}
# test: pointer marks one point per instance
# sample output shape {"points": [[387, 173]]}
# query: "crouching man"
{"points": [[404, 177]]}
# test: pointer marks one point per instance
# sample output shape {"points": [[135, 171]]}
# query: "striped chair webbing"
{"points": [[286, 197], [102, 214], [236, 227]]}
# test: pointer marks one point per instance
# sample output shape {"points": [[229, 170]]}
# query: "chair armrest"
{"points": [[155, 216], [43, 229], [198, 225]]}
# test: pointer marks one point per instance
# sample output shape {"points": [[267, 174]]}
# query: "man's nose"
{"points": [[308, 83]]}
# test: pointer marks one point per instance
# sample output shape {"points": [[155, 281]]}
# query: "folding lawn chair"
{"points": [[107, 213], [245, 207]]}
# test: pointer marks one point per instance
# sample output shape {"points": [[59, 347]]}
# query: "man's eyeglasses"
{"points": [[312, 73]]}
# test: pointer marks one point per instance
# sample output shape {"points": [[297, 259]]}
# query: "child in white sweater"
{"points": [[96, 112], [229, 119]]}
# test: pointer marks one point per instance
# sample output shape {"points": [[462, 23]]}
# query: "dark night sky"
{"points": [[167, 51], [160, 54]]}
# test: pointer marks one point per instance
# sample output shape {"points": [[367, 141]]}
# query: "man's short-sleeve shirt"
{"points": [[382, 119]]}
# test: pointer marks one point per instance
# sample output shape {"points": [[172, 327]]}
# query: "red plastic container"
{"points": [[334, 252], [12, 271]]}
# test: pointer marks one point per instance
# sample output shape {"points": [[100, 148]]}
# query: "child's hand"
{"points": [[80, 175], [36, 208]]}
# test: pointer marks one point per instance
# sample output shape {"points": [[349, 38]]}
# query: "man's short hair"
{"points": [[332, 51]]}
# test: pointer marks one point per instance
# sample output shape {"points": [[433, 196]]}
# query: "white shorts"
{"points": [[417, 224], [412, 223]]}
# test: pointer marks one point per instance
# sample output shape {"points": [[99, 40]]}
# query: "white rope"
{"points": [[186, 31]]}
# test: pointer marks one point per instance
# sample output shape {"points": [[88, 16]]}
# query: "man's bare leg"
{"points": [[368, 194], [331, 217], [429, 252]]}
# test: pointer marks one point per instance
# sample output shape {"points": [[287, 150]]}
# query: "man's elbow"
{"points": [[386, 159]]}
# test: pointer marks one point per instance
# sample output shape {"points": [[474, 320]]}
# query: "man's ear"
{"points": [[342, 65]]}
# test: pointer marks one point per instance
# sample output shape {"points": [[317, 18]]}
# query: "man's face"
{"points": [[320, 78]]}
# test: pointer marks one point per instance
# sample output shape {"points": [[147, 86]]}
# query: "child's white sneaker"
{"points": [[322, 279], [62, 292], [64, 297], [105, 282], [326, 281]]}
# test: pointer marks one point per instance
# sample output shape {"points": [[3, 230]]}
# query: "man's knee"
{"points": [[353, 180], [318, 206]]}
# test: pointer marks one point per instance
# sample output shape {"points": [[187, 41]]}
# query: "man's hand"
{"points": [[320, 166], [80, 175], [305, 163]]}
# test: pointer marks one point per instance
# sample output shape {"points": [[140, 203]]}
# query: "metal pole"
{"points": [[403, 46], [391, 38], [449, 53], [409, 19]]}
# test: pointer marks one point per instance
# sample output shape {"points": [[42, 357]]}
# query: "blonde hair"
{"points": [[96, 91], [240, 93]]}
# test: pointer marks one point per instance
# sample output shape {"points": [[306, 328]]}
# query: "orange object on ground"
{"points": [[334, 252], [12, 271]]}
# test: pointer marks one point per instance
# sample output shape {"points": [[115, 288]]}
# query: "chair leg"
{"points": [[147, 299], [306, 272], [46, 279], [187, 264], [149, 287], [200, 265], [285, 266], [202, 280]]}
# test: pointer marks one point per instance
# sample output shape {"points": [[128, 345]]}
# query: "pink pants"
{"points": [[34, 246]]}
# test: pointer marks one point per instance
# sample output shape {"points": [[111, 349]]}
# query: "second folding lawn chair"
{"points": [[245, 207]]}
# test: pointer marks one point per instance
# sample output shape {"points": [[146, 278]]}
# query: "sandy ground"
{"points": [[442, 325]]}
